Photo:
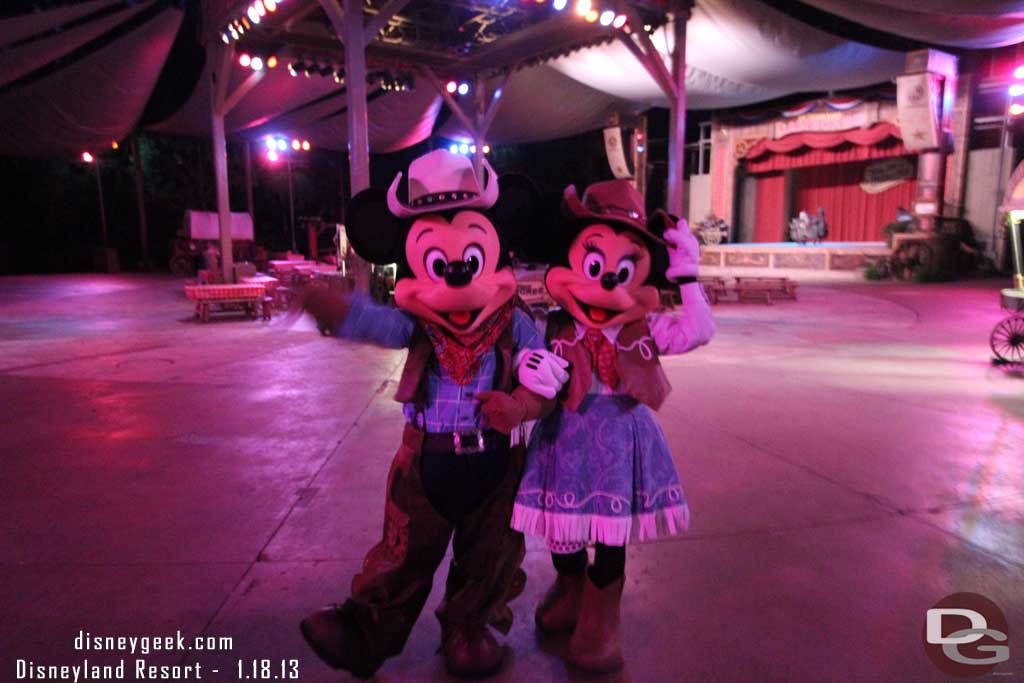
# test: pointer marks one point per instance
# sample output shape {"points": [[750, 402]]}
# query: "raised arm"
{"points": [[358, 318], [694, 325]]}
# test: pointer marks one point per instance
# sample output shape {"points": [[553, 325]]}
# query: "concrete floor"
{"points": [[850, 459]]}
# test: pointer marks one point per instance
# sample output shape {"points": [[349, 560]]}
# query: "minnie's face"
{"points": [[456, 281], [604, 283]]}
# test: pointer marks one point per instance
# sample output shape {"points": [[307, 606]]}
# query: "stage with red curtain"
{"points": [[827, 172]]}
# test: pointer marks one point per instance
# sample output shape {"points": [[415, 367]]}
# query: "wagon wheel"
{"points": [[911, 258], [181, 266], [1007, 340]]}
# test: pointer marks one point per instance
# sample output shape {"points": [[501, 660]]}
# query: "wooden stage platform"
{"points": [[842, 260]]}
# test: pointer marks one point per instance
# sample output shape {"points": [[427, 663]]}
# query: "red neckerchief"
{"points": [[602, 356], [461, 355]]}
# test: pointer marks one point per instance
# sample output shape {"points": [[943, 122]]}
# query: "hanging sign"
{"points": [[616, 156], [917, 101], [886, 174]]}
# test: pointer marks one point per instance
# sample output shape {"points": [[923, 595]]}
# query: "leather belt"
{"points": [[465, 443]]}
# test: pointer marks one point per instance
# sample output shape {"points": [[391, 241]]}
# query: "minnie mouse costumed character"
{"points": [[456, 471], [599, 470]]}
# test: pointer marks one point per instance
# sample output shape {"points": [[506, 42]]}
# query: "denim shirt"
{"points": [[449, 407]]}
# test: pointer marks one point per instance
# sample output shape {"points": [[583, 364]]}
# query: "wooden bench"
{"points": [[252, 298], [767, 289], [714, 287]]}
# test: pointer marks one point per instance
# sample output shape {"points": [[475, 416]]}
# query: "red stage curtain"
{"points": [[801, 150], [853, 215], [771, 205]]}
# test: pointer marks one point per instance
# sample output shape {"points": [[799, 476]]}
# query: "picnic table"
{"points": [[251, 297]]}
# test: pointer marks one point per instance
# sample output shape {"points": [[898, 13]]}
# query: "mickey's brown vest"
{"points": [[641, 378], [412, 387]]}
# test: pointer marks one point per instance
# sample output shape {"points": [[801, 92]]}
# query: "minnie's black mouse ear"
{"points": [[374, 232], [659, 221]]}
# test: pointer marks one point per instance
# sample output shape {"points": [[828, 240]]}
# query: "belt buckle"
{"points": [[468, 449]]}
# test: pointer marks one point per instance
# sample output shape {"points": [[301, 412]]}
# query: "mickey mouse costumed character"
{"points": [[598, 469], [456, 471]]}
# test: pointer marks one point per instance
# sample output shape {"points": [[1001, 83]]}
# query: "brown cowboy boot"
{"points": [[470, 651], [560, 608], [334, 635], [595, 643]]}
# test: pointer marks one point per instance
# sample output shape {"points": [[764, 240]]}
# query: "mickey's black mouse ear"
{"points": [[374, 232]]}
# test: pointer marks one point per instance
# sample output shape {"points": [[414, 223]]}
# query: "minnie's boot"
{"points": [[595, 644], [560, 608]]}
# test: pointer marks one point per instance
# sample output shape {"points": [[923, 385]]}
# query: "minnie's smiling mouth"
{"points": [[596, 313]]}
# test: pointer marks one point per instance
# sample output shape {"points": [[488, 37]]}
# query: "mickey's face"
{"points": [[456, 282], [604, 283]]}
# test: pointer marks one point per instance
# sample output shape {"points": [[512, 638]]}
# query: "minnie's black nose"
{"points": [[609, 281], [457, 274]]}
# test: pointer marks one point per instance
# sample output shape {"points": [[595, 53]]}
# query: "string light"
{"points": [[305, 145], [607, 17], [271, 62], [257, 64], [272, 155], [1016, 109], [114, 145], [463, 88], [451, 87], [244, 59], [592, 16], [582, 7], [620, 21], [88, 158], [559, 5]]}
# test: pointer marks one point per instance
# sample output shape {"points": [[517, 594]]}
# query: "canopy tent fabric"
{"points": [[977, 24], [540, 103], [22, 59], [97, 91], [23, 27], [738, 52], [313, 108]]}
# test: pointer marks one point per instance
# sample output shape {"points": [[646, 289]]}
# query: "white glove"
{"points": [[683, 252], [541, 371]]}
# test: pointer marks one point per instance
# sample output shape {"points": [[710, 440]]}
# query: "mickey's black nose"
{"points": [[609, 281], [457, 274]]}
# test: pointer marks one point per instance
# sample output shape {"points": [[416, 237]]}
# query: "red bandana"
{"points": [[461, 355], [602, 356]]}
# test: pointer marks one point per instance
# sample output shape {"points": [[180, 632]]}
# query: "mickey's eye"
{"points": [[626, 271], [435, 262], [593, 264], [473, 257]]}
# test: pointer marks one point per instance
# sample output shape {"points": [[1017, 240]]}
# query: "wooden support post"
{"points": [[140, 200], [220, 59], [351, 31], [248, 180], [480, 100], [677, 113]]}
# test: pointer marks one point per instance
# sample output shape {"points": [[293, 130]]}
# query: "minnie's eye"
{"points": [[436, 263], [473, 257], [626, 271], [593, 264]]}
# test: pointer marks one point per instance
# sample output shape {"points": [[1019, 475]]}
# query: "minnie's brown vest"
{"points": [[642, 378], [412, 387]]}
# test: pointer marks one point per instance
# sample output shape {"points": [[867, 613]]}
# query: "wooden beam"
{"points": [[241, 91], [461, 115], [654, 57], [660, 79], [492, 109], [220, 58], [383, 17], [355, 84]]}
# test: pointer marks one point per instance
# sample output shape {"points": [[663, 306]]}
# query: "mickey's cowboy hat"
{"points": [[441, 180], [617, 202]]}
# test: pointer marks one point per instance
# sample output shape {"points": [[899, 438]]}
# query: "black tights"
{"points": [[609, 564]]}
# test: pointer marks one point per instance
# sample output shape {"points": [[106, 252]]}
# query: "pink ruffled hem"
{"points": [[569, 528]]}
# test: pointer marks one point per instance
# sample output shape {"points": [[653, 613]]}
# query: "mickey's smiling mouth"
{"points": [[595, 313], [462, 319]]}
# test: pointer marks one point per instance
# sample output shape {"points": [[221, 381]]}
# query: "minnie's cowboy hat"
{"points": [[617, 202]]}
